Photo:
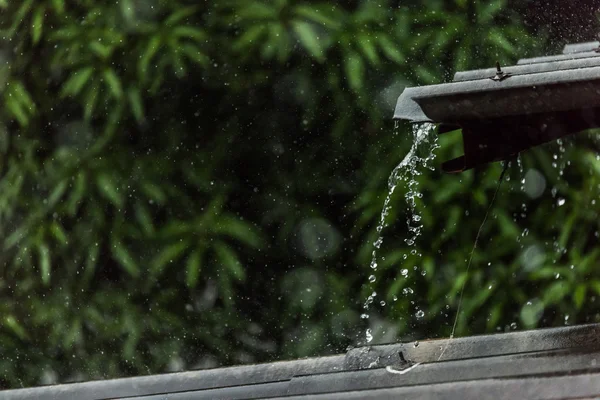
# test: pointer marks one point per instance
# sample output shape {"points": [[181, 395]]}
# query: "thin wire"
{"points": [[462, 289]]}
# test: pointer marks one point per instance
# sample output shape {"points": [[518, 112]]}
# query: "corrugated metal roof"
{"points": [[580, 47], [535, 101], [504, 366]]}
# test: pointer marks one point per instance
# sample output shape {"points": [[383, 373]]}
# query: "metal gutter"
{"points": [[505, 110], [520, 94]]}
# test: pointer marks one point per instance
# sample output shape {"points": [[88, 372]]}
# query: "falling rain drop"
{"points": [[369, 335], [421, 154]]}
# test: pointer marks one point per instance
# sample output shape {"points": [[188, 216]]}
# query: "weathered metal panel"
{"points": [[562, 57], [580, 47], [572, 350], [529, 69], [517, 95]]}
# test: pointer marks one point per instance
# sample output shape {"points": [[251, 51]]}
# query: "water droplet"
{"points": [[560, 202], [420, 314], [420, 155], [416, 343], [372, 278], [382, 303], [369, 335], [513, 326], [364, 316]]}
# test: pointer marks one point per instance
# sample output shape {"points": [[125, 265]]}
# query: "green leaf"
{"points": [[355, 69], [250, 37], [579, 296], [76, 82], [494, 316], [12, 324], [498, 38], [57, 193], [169, 254], [310, 39], [109, 190], [235, 228], [127, 10], [180, 14], [463, 56], [19, 16], [59, 233], [22, 96], [194, 54], [121, 254], [44, 260], [73, 335], [136, 104], [100, 49], [16, 111], [368, 49], [151, 49], [114, 83], [154, 192], [144, 218], [555, 293], [257, 11], [193, 267], [59, 6], [318, 16], [190, 33], [37, 24], [90, 263], [486, 11], [531, 313], [77, 194], [89, 102], [229, 260]]}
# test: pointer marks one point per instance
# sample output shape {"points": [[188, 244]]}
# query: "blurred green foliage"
{"points": [[189, 184]]}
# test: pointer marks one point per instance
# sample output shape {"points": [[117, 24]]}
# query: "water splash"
{"points": [[420, 156]]}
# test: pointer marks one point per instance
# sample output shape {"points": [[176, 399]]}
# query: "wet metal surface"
{"points": [[508, 109], [470, 366]]}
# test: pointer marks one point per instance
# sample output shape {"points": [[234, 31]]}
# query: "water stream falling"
{"points": [[420, 156]]}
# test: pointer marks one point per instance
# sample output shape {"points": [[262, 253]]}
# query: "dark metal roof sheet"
{"points": [[538, 100], [561, 57], [525, 69], [505, 365], [580, 47]]}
